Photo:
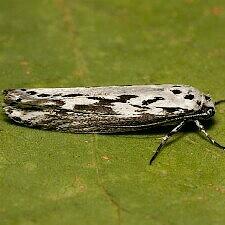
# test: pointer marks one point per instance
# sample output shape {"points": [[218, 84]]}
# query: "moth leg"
{"points": [[202, 129], [165, 139]]}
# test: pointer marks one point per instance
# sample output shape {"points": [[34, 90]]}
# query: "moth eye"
{"points": [[190, 96], [176, 91]]}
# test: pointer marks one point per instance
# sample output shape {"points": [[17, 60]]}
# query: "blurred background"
{"points": [[55, 178]]}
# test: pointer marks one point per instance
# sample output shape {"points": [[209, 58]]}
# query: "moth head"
{"points": [[208, 105]]}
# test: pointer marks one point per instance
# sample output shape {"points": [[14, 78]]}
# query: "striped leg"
{"points": [[202, 129], [165, 139]]}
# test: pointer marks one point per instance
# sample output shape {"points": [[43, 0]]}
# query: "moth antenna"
{"points": [[202, 129], [220, 101], [165, 139]]}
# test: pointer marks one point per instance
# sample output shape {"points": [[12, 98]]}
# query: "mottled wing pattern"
{"points": [[102, 109]]}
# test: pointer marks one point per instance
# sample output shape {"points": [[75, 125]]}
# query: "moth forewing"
{"points": [[114, 105], [104, 109]]}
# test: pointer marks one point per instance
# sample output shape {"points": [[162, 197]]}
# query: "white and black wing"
{"points": [[102, 109]]}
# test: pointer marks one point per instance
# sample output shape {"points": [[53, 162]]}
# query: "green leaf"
{"points": [[50, 178]]}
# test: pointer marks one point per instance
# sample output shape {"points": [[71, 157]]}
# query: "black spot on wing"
{"points": [[199, 103], [189, 96], [176, 85], [173, 109], [72, 95], [207, 98], [31, 92], [149, 101], [102, 101], [176, 91], [108, 101], [125, 98], [43, 95], [23, 89]]}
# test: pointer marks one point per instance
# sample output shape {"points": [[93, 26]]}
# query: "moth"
{"points": [[111, 109]]}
